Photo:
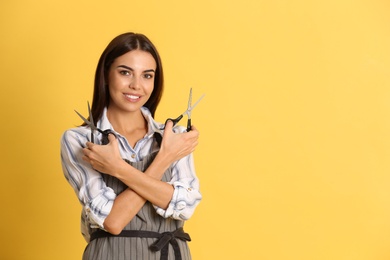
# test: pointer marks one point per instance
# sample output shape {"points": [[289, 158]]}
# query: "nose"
{"points": [[135, 83]]}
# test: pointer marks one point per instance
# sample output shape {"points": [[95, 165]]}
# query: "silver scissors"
{"points": [[93, 127], [190, 107]]}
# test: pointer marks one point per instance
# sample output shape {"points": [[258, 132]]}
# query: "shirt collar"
{"points": [[153, 126]]}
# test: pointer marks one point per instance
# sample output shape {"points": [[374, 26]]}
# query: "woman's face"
{"points": [[131, 80]]}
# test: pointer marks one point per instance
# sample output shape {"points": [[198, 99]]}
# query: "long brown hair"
{"points": [[117, 47]]}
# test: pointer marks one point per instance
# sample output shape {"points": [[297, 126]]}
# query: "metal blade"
{"points": [[93, 127], [189, 100], [197, 101], [84, 119], [91, 117]]}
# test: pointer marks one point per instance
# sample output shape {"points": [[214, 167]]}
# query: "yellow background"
{"points": [[295, 126]]}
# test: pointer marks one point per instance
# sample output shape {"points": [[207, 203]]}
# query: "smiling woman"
{"points": [[130, 84], [136, 193], [130, 79]]}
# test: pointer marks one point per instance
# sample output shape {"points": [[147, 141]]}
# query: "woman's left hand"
{"points": [[103, 158]]}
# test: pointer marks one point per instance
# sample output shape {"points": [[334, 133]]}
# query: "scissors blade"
{"points": [[89, 123], [93, 127], [189, 110], [91, 117], [84, 119], [189, 100], [196, 103]]}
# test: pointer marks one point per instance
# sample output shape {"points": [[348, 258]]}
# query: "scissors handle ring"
{"points": [[175, 121], [106, 133]]}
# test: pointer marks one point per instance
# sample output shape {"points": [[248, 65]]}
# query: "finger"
{"points": [[85, 158], [89, 145], [111, 138], [193, 128], [193, 134], [169, 125], [168, 128], [86, 151]]}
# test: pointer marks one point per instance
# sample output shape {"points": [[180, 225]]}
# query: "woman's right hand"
{"points": [[175, 146]]}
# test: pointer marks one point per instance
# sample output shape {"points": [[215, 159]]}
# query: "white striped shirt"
{"points": [[97, 199]]}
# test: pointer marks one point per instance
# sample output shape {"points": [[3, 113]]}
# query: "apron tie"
{"points": [[167, 238], [161, 244]]}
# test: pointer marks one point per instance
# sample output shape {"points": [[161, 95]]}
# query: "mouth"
{"points": [[132, 97]]}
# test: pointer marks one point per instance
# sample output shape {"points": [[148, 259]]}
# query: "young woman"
{"points": [[136, 192]]}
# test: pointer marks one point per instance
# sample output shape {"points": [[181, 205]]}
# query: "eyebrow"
{"points": [[128, 68]]}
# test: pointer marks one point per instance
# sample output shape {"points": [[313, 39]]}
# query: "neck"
{"points": [[125, 123]]}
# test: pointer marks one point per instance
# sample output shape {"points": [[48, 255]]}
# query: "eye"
{"points": [[124, 72], [148, 76]]}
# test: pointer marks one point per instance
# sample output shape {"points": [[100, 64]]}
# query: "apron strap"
{"points": [[161, 244]]}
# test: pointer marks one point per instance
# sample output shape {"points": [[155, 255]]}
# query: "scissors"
{"points": [[187, 112], [93, 127]]}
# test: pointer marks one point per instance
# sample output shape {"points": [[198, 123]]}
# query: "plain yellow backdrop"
{"points": [[295, 126]]}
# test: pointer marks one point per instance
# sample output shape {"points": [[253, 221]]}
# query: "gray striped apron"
{"points": [[148, 236]]}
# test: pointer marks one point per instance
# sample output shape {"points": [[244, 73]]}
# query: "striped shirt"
{"points": [[97, 198]]}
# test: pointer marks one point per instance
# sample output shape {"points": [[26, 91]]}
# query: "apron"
{"points": [[148, 236]]}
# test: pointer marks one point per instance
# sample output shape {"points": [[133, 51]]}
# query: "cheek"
{"points": [[116, 83], [150, 86], [114, 87]]}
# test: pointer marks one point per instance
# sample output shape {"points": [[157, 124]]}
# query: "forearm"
{"points": [[126, 206], [148, 184], [186, 194], [128, 203]]}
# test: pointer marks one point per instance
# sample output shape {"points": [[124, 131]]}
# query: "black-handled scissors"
{"points": [[188, 112], [93, 127]]}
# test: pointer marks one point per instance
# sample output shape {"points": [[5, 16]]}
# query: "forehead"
{"points": [[136, 59]]}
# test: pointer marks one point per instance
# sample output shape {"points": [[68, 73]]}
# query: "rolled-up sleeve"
{"points": [[96, 198], [186, 195]]}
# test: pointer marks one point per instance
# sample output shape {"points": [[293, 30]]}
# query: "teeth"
{"points": [[132, 97]]}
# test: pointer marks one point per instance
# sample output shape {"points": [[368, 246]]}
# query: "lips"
{"points": [[132, 97]]}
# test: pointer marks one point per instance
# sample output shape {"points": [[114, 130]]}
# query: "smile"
{"points": [[132, 97]]}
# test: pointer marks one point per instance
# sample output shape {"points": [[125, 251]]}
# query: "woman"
{"points": [[136, 192]]}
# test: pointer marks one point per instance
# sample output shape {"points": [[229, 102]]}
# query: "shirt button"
{"points": [[133, 155], [189, 189]]}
